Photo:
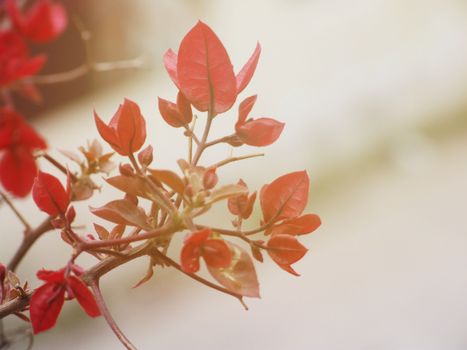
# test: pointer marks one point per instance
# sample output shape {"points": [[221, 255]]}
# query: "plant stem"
{"points": [[235, 159], [21, 218], [94, 284], [172, 263], [28, 240]]}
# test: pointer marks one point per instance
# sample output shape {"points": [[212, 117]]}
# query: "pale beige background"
{"points": [[373, 93]]}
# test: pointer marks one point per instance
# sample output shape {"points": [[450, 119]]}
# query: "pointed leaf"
{"points": [[245, 108], [298, 226], [260, 132], [49, 195], [205, 73], [170, 63], [133, 185], [285, 250], [246, 73], [169, 178], [123, 212], [286, 197], [170, 113]]}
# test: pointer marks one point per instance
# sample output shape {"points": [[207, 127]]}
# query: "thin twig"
{"points": [[21, 218], [235, 159], [172, 263], [28, 240], [108, 317]]}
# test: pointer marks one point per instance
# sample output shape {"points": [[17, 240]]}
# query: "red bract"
{"points": [[286, 250], [286, 197], [246, 73], [17, 143], [15, 62], [50, 195], [204, 72], [126, 131], [178, 114], [47, 300], [83, 295], [256, 132], [46, 304], [215, 252], [41, 23]]}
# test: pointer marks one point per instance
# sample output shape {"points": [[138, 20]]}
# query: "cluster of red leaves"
{"points": [[18, 141], [204, 75], [42, 22], [47, 300]]}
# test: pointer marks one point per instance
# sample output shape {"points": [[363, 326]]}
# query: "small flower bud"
{"points": [[126, 169]]}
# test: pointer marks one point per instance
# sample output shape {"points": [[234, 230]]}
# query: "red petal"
{"points": [[260, 132], [205, 74], [285, 250], [246, 73], [170, 63], [169, 111], [245, 108], [298, 226], [44, 22], [30, 66], [216, 253], [286, 197], [84, 296], [17, 171], [49, 194], [189, 258], [51, 276], [46, 304]]}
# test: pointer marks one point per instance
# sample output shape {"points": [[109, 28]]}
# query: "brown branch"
{"points": [[21, 218], [15, 305], [108, 317], [28, 240]]}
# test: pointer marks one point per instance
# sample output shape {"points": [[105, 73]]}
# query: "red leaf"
{"points": [[170, 113], [45, 306], [169, 178], [170, 63], [242, 205], [184, 108], [51, 276], [260, 132], [286, 197], [131, 185], [84, 296], [17, 171], [216, 253], [43, 22], [126, 132], [50, 195], [204, 70], [298, 226], [245, 108], [123, 212], [285, 250], [240, 277], [246, 73]]}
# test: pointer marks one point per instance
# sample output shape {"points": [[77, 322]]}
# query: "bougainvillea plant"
{"points": [[156, 206]]}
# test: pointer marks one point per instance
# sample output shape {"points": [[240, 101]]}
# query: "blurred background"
{"points": [[374, 97]]}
